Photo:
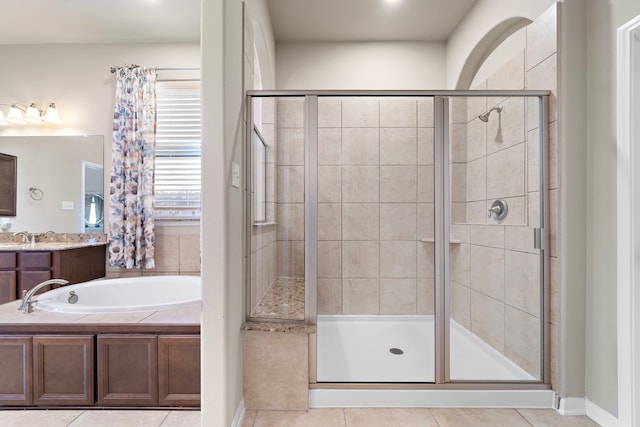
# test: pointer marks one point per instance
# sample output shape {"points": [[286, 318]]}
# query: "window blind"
{"points": [[177, 152]]}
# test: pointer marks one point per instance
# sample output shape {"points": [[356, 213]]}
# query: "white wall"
{"points": [[371, 65], [265, 41], [485, 15]]}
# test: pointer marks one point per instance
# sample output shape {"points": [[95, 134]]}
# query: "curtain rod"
{"points": [[132, 66]]}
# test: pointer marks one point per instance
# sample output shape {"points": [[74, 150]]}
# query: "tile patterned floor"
{"points": [[348, 417]]}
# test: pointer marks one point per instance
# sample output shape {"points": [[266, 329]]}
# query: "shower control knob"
{"points": [[498, 210]]}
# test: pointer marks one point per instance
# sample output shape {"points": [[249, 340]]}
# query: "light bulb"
{"points": [[33, 114], [15, 115], [51, 115], [3, 122]]}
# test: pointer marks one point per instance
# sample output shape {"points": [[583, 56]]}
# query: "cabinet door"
{"points": [[7, 286], [179, 370], [63, 370], [15, 371], [80, 264], [29, 279], [127, 370]]}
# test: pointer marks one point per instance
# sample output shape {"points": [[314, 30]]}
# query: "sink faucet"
{"points": [[26, 306], [26, 236]]}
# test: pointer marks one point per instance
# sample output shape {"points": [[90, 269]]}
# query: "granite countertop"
{"points": [[47, 246]]}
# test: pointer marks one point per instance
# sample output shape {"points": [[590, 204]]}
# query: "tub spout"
{"points": [[26, 306]]}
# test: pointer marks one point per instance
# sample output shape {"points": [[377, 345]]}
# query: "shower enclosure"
{"points": [[410, 227]]}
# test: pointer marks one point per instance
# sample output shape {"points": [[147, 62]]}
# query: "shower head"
{"points": [[485, 116]]}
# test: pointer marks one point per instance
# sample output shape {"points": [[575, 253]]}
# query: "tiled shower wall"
{"points": [[375, 203], [495, 271]]}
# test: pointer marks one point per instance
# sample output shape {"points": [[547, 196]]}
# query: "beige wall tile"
{"points": [[361, 296], [543, 77], [458, 106], [398, 259], [167, 252], [121, 273], [476, 139], [360, 259], [460, 262], [487, 235], [554, 223], [460, 304], [330, 259], [296, 258], [398, 296], [487, 271], [523, 340], [459, 232], [477, 180], [542, 37], [360, 112], [510, 75], [268, 110], [398, 112], [487, 320], [329, 221], [290, 220], [522, 283], [360, 221], [425, 221], [290, 147], [519, 239], [329, 112], [458, 213], [361, 184], [553, 156], [398, 183], [290, 184], [554, 291], [329, 296], [425, 259], [189, 252], [330, 146], [398, 221], [290, 112], [398, 146], [477, 212], [425, 146], [476, 105], [506, 172], [269, 264], [425, 112], [458, 143], [508, 127], [276, 370], [533, 206], [426, 297], [283, 259], [360, 146], [426, 179], [533, 160], [517, 211], [329, 184]]}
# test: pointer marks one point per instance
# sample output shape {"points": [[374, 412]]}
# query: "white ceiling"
{"points": [[366, 20], [165, 21], [99, 21]]}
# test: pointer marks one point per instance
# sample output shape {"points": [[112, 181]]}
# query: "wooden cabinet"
{"points": [[179, 370], [127, 370], [63, 370], [23, 270], [15, 371]]}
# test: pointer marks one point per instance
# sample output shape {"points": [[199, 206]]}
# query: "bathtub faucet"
{"points": [[26, 306]]}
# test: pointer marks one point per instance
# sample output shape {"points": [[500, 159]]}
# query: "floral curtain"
{"points": [[131, 223]]}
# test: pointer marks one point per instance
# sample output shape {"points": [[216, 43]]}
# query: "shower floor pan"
{"points": [[400, 349]]}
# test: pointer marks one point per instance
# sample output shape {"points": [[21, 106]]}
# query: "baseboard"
{"points": [[237, 419], [600, 416], [572, 406]]}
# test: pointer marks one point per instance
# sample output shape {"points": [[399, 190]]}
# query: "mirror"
{"points": [[55, 176], [8, 171]]}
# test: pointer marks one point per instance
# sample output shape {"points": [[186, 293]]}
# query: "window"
{"points": [[177, 166]]}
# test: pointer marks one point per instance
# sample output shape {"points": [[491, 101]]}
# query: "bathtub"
{"points": [[149, 293]]}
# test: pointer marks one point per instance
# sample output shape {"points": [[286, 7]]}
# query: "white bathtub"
{"points": [[148, 293]]}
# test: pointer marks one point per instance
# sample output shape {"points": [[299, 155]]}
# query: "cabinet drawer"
{"points": [[34, 260], [7, 260]]}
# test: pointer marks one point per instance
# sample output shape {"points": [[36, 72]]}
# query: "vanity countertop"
{"points": [[46, 246]]}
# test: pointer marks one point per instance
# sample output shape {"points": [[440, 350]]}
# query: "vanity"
{"points": [[24, 265]]}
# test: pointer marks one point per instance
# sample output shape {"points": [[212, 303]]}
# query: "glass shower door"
{"points": [[375, 251]]}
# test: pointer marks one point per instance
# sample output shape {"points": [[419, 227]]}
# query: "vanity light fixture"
{"points": [[20, 114]]}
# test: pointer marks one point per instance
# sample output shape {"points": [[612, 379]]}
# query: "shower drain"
{"points": [[396, 351]]}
